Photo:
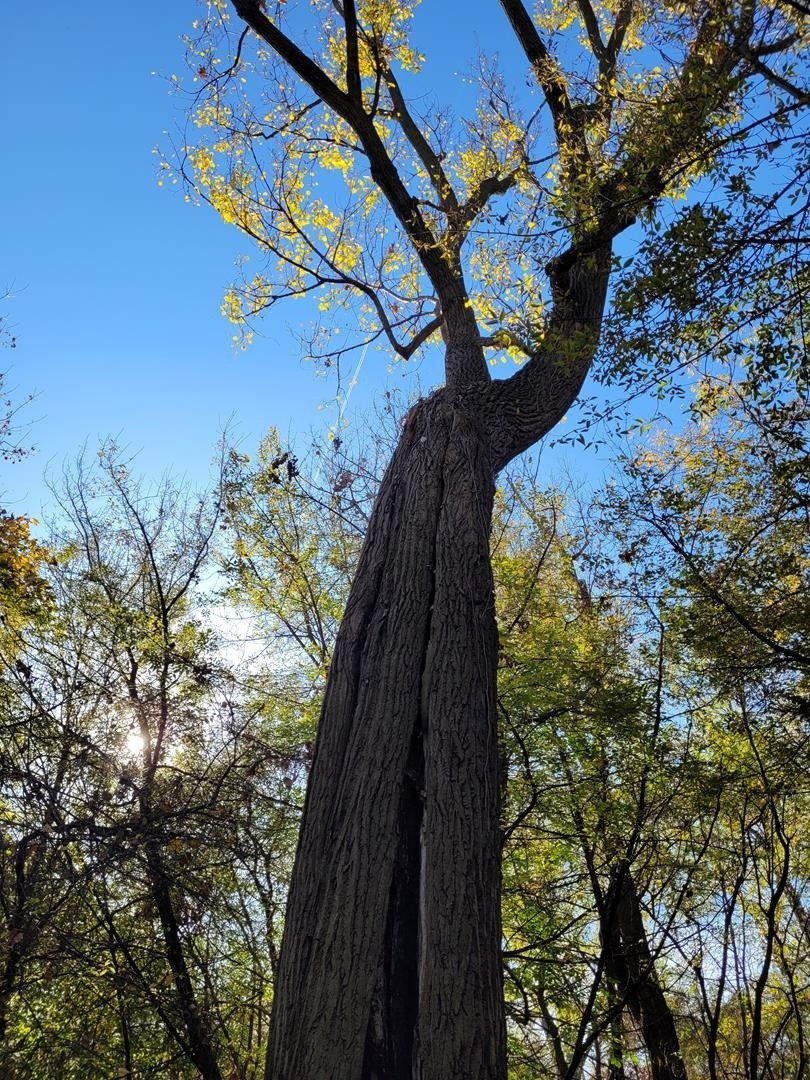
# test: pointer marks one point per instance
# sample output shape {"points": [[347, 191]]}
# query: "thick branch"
{"points": [[569, 119], [528, 405], [592, 29], [465, 367], [630, 965], [353, 84], [545, 67], [199, 1043]]}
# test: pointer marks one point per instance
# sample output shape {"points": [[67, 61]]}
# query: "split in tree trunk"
{"points": [[389, 969]]}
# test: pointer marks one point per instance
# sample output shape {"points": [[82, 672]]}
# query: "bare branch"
{"points": [[424, 151]]}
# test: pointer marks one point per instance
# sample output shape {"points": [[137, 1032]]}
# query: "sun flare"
{"points": [[134, 743]]}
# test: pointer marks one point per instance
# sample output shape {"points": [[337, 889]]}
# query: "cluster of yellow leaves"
{"points": [[25, 595], [294, 178], [383, 36]]}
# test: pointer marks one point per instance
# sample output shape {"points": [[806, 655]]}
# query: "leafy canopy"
{"points": [[482, 204]]}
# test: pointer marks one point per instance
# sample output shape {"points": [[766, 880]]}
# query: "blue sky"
{"points": [[117, 282]]}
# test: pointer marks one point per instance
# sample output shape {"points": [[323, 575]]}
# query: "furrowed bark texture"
{"points": [[388, 968]]}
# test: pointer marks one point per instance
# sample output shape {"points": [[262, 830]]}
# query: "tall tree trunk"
{"points": [[390, 966]]}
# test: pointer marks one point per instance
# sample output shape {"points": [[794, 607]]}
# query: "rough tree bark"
{"points": [[391, 963], [403, 800]]}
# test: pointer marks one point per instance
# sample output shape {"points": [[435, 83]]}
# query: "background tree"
{"points": [[140, 789]]}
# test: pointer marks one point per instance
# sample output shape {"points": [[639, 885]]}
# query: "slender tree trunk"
{"points": [[390, 966], [199, 1045], [630, 966], [8, 985]]}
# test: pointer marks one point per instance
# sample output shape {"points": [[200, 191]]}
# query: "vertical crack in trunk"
{"points": [[339, 924], [389, 1051], [395, 1004], [390, 967]]}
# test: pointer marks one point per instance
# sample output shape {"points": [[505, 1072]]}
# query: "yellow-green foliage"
{"points": [[24, 592], [499, 187]]}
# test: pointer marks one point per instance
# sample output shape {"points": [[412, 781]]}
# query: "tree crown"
{"points": [[355, 184]]}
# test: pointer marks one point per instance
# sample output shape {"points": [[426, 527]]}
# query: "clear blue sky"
{"points": [[117, 282]]}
